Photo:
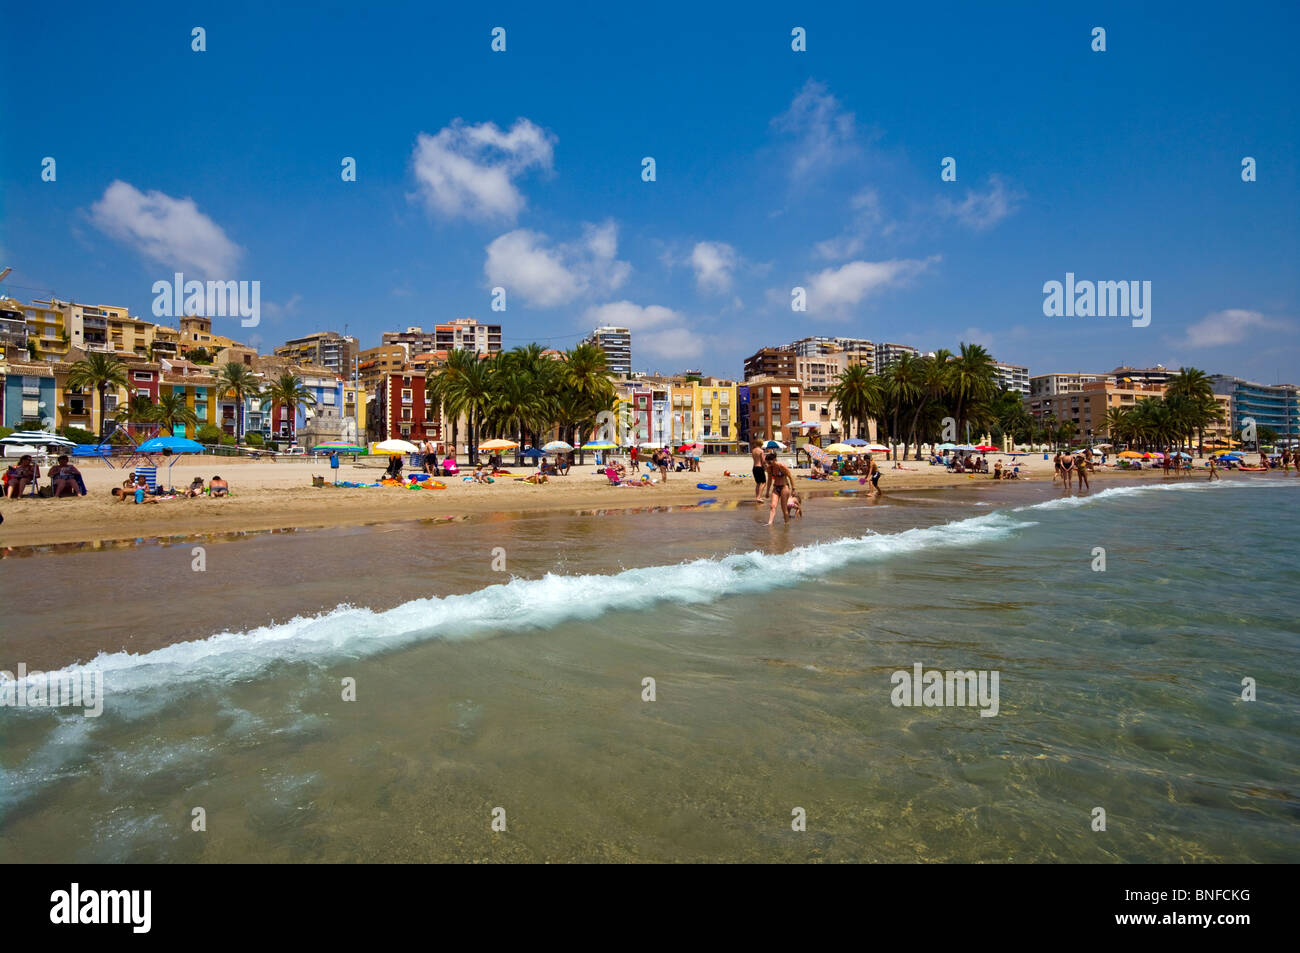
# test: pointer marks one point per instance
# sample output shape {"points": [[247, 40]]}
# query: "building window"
{"points": [[407, 396]]}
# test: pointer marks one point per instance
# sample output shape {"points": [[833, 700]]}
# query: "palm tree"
{"points": [[98, 372], [171, 410], [443, 389], [585, 390], [931, 380], [858, 396], [971, 380], [239, 381], [289, 393], [904, 385]]}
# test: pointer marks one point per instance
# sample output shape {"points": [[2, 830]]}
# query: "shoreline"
{"points": [[279, 497]]}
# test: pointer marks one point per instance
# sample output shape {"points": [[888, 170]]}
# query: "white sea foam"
{"points": [[521, 604]]}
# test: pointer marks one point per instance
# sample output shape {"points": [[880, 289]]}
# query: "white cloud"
{"points": [[469, 171], [867, 219], [172, 232], [656, 330], [978, 336], [1230, 326], [982, 210], [713, 263], [834, 289], [823, 131], [546, 276]]}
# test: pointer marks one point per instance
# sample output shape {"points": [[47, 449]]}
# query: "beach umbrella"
{"points": [[1179, 453], [37, 438], [800, 424], [986, 448], [842, 448], [337, 448], [652, 445], [965, 448], [946, 446], [1130, 454], [687, 447], [174, 444], [818, 454], [532, 453], [774, 445], [494, 445], [876, 448], [394, 446], [558, 446], [855, 442], [599, 445]]}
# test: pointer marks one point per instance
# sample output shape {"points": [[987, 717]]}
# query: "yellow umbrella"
{"points": [[497, 445], [842, 448], [1130, 453]]}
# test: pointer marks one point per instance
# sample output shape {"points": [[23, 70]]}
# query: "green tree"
{"points": [[239, 381], [98, 372], [171, 409], [288, 391], [858, 396]]}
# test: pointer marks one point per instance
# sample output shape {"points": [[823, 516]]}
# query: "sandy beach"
{"points": [[276, 495]]}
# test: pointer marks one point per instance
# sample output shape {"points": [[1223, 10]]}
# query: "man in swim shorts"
{"points": [[760, 474]]}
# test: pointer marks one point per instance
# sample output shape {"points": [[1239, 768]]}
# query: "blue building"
{"points": [[742, 399], [29, 400], [1276, 406]]}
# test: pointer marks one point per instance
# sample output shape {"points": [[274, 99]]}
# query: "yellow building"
{"points": [[197, 332], [48, 337], [717, 420]]}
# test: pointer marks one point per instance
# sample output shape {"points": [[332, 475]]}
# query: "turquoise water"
{"points": [[773, 652]]}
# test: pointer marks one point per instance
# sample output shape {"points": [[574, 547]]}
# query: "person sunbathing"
{"points": [[196, 487], [481, 475], [65, 479], [20, 476], [218, 487], [536, 478]]}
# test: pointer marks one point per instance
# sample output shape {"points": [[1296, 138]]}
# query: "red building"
{"points": [[402, 410]]}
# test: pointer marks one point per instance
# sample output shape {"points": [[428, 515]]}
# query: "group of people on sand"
{"points": [[136, 489], [65, 478], [1068, 467]]}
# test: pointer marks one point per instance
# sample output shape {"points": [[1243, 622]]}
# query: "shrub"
{"points": [[227, 440], [77, 435], [209, 433], [253, 439]]}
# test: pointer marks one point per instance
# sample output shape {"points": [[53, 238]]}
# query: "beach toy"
{"points": [[706, 486], [851, 479], [419, 477]]}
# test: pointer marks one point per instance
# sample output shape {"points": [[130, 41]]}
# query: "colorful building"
{"points": [[402, 410]]}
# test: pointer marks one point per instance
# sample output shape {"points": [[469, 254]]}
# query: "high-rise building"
{"points": [[466, 334], [1049, 385], [1143, 375], [1013, 377], [374, 362], [322, 349], [770, 362], [617, 345], [1276, 406], [887, 355], [415, 339]]}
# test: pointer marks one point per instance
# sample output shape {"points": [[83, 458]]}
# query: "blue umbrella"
{"points": [[174, 444], [533, 453], [856, 442]]}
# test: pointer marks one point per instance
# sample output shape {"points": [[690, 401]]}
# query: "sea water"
{"points": [[681, 685]]}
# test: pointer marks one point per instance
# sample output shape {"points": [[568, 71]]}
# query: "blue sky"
{"points": [[775, 169]]}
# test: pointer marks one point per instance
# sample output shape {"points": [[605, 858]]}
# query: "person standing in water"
{"points": [[1056, 467], [761, 486], [1081, 467], [1067, 467], [782, 485], [873, 476]]}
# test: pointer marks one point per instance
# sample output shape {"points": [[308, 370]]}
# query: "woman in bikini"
{"points": [[782, 480], [1067, 470]]}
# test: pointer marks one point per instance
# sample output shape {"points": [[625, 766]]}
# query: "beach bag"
{"points": [[318, 481]]}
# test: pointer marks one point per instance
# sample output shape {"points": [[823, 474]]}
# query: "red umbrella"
{"points": [[985, 448]]}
